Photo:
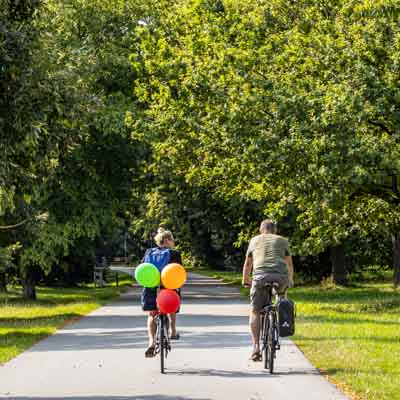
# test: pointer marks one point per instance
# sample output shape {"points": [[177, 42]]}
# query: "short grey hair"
{"points": [[268, 225]]}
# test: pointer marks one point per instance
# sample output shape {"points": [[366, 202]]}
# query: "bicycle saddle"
{"points": [[273, 284]]}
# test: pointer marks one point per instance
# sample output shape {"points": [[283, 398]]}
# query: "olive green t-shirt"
{"points": [[268, 252]]}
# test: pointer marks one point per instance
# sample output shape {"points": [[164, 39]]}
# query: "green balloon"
{"points": [[147, 275]]}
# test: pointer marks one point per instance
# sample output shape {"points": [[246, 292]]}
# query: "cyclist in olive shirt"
{"points": [[268, 258]]}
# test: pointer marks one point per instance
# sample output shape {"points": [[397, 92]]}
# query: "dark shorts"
{"points": [[148, 299], [259, 294]]}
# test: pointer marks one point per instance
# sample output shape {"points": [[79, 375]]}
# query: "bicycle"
{"points": [[163, 345], [269, 328]]}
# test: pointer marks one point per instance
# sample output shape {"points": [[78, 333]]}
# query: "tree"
{"points": [[25, 114], [69, 155], [291, 105]]}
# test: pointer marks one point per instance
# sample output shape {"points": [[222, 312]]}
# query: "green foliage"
{"points": [[292, 106], [202, 116], [68, 152]]}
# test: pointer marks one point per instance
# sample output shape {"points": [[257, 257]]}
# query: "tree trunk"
{"points": [[338, 265], [3, 282], [29, 284], [396, 238], [396, 259]]}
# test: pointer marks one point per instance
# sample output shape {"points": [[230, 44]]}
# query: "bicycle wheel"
{"points": [[265, 330], [167, 345], [269, 345], [162, 344]]}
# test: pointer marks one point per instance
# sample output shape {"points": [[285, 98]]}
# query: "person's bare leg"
{"points": [[172, 324], [151, 329], [255, 330]]}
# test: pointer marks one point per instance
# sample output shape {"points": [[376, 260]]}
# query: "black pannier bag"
{"points": [[286, 315]]}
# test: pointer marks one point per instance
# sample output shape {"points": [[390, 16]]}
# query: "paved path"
{"points": [[102, 357], [122, 268]]}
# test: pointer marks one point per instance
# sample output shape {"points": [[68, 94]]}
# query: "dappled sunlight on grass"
{"points": [[353, 335], [13, 342]]}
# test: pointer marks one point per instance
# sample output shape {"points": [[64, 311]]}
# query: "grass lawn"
{"points": [[351, 334], [22, 323]]}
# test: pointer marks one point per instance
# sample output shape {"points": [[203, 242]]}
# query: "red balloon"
{"points": [[168, 301]]}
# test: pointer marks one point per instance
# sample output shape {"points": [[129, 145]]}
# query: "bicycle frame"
{"points": [[269, 329]]}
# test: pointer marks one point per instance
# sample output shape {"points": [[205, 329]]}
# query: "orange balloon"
{"points": [[173, 276]]}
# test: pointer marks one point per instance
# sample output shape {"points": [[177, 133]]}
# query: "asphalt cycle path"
{"points": [[102, 357]]}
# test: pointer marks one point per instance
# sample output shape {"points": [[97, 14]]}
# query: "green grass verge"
{"points": [[23, 323], [350, 334]]}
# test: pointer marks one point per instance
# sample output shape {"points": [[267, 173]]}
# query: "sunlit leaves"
{"points": [[291, 105]]}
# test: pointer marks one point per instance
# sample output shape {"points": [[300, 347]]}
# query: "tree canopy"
{"points": [[291, 105], [203, 116]]}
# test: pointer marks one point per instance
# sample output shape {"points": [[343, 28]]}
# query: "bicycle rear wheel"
{"points": [[272, 342], [265, 329], [270, 345]]}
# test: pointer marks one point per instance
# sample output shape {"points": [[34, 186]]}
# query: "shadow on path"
{"points": [[116, 322], [222, 373], [188, 297], [115, 328], [262, 373], [138, 339], [145, 397]]}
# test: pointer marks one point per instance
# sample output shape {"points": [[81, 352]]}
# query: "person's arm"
{"points": [[178, 258], [175, 257], [247, 268], [145, 254], [248, 265], [289, 263]]}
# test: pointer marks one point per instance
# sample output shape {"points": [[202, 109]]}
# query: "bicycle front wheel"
{"points": [[265, 329], [162, 344], [270, 345]]}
